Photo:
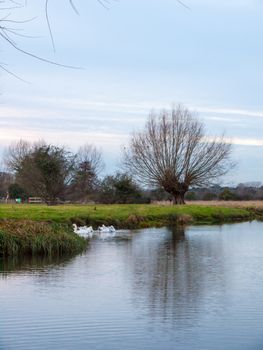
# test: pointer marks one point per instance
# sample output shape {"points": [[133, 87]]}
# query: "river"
{"points": [[195, 288]]}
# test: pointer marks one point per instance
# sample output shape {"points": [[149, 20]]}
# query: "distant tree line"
{"points": [[242, 192], [120, 188], [52, 173], [55, 174]]}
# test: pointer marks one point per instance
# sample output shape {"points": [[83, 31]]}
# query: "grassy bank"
{"points": [[126, 216], [39, 229], [31, 238]]}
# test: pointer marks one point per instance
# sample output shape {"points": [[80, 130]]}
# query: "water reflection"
{"points": [[198, 288], [30, 264], [170, 269]]}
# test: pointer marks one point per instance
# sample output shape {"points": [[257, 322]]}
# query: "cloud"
{"points": [[108, 123], [229, 111], [247, 141], [233, 4]]}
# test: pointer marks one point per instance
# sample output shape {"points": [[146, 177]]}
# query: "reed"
{"points": [[30, 237]]}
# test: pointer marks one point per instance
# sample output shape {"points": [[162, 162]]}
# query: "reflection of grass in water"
{"points": [[32, 238], [126, 215], [27, 263]]}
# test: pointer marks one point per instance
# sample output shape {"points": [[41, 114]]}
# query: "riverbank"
{"points": [[26, 237], [127, 216], [40, 229]]}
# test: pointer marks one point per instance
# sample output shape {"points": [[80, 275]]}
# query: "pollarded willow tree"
{"points": [[174, 153]]}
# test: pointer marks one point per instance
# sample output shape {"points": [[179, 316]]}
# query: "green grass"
{"points": [[125, 216], [33, 238]]}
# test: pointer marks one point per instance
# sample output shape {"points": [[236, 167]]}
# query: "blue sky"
{"points": [[138, 55]]}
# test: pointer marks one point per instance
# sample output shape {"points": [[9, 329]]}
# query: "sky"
{"points": [[136, 56]]}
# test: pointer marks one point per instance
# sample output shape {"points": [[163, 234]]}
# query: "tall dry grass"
{"points": [[256, 204], [230, 204], [30, 237]]}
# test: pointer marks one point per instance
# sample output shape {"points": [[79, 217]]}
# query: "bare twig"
{"points": [[172, 152]]}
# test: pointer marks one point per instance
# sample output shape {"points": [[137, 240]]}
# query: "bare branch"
{"points": [[172, 152]]}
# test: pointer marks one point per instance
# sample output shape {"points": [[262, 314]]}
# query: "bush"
{"points": [[133, 221], [209, 196], [179, 219], [227, 195], [16, 191], [120, 189], [190, 196]]}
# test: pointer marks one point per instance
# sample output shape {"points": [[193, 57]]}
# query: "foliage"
{"points": [[158, 194], [42, 170], [45, 172], [120, 188], [190, 196], [88, 165], [16, 191], [209, 196], [227, 195], [54, 173]]}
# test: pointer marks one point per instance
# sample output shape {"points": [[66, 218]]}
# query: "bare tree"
{"points": [[173, 152], [10, 27], [15, 154], [88, 166], [10, 30], [6, 179], [89, 154]]}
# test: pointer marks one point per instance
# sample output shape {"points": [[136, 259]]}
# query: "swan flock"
{"points": [[88, 232]]}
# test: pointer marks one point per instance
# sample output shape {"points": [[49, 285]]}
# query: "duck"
{"points": [[84, 231]]}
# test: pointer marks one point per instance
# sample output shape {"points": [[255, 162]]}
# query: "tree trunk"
{"points": [[178, 198]]}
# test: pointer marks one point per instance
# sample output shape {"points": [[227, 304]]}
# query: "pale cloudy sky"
{"points": [[138, 55]]}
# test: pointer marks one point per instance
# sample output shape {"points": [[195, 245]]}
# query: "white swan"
{"points": [[106, 232], [106, 229], [84, 231]]}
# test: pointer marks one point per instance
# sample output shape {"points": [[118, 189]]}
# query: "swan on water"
{"points": [[107, 229], [84, 231]]}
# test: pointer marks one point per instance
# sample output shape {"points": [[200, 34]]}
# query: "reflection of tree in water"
{"points": [[31, 264], [174, 273]]}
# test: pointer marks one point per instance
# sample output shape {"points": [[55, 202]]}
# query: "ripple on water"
{"points": [[149, 289]]}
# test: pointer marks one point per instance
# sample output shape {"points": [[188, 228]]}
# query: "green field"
{"points": [[125, 216]]}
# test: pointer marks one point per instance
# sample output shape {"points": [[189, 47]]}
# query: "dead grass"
{"points": [[30, 237], [230, 204]]}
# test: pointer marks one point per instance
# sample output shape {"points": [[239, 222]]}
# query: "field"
{"points": [[128, 216]]}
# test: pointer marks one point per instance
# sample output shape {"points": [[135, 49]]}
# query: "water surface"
{"points": [[201, 288]]}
